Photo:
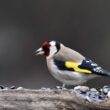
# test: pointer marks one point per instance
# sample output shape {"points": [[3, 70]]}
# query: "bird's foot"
{"points": [[61, 87]]}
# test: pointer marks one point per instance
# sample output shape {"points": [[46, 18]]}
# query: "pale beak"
{"points": [[39, 52]]}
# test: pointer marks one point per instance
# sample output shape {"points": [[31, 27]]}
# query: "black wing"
{"points": [[61, 65], [92, 66]]}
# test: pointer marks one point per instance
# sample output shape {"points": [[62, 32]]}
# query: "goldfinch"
{"points": [[67, 65]]}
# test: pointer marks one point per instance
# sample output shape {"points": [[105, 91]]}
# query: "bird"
{"points": [[67, 65]]}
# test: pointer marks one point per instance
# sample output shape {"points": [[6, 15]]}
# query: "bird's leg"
{"points": [[61, 87]]}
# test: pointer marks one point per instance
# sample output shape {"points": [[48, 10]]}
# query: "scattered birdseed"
{"points": [[93, 95]]}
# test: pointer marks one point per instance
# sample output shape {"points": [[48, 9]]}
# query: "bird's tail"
{"points": [[105, 73]]}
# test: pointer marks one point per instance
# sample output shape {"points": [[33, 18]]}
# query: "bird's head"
{"points": [[48, 48]]}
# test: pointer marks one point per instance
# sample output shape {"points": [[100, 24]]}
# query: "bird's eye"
{"points": [[45, 47]]}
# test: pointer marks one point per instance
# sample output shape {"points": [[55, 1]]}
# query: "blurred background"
{"points": [[24, 24]]}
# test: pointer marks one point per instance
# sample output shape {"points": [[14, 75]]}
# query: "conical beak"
{"points": [[39, 52]]}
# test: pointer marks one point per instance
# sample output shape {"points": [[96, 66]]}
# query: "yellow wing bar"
{"points": [[74, 65]]}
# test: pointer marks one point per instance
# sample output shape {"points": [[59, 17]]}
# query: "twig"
{"points": [[47, 99]]}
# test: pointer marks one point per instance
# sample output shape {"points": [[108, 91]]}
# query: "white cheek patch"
{"points": [[52, 43], [53, 50]]}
